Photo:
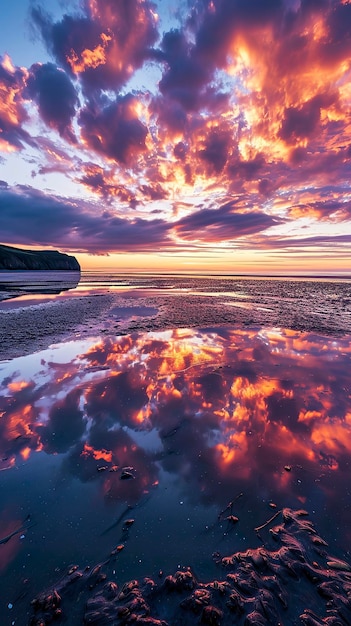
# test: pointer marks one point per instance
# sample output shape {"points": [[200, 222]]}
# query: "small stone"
{"points": [[126, 473], [129, 522], [338, 564], [287, 468], [117, 549]]}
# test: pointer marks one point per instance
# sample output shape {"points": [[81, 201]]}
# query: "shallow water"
{"points": [[258, 416]]}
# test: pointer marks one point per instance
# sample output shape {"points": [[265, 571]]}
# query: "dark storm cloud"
{"points": [[222, 224], [55, 95], [186, 84], [114, 131], [32, 217], [104, 44]]}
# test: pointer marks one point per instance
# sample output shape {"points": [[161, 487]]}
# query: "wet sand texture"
{"points": [[33, 328], [312, 308], [290, 580]]}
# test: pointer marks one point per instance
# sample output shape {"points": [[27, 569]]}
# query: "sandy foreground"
{"points": [[31, 327], [292, 578]]}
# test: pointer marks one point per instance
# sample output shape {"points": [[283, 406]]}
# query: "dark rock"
{"points": [[126, 473], [19, 259], [128, 522]]}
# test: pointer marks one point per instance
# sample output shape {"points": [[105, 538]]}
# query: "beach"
{"points": [[175, 450], [28, 324]]}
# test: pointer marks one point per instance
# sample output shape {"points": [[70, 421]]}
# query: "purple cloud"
{"points": [[103, 45], [55, 96], [115, 130], [222, 224], [34, 218]]}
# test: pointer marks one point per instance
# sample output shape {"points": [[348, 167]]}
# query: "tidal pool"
{"points": [[178, 431]]}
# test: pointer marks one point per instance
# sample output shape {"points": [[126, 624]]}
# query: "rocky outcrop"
{"points": [[18, 259]]}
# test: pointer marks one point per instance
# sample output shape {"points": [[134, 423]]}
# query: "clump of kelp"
{"points": [[290, 579]]}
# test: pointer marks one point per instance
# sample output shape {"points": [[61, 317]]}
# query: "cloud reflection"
{"points": [[223, 410]]}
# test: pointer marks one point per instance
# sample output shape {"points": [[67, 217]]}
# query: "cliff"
{"points": [[18, 259]]}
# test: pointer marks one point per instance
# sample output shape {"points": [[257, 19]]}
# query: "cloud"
{"points": [[303, 121], [104, 44], [32, 217], [55, 95], [333, 242], [114, 131], [12, 111], [222, 224], [104, 183], [245, 99], [216, 150], [185, 76]]}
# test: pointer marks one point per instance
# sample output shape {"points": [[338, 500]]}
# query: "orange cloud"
{"points": [[89, 58]]}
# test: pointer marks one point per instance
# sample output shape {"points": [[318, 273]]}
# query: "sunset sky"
{"points": [[178, 135]]}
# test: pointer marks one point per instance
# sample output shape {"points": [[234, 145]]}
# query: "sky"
{"points": [[178, 135]]}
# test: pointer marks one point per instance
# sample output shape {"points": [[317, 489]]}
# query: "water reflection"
{"points": [[208, 414], [18, 284]]}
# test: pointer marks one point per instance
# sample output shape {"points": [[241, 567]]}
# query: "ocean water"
{"points": [[175, 424]]}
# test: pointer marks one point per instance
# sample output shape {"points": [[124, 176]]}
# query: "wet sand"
{"points": [[291, 579], [29, 328]]}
